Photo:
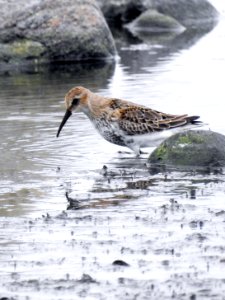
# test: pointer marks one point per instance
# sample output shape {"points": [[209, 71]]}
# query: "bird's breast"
{"points": [[109, 130]]}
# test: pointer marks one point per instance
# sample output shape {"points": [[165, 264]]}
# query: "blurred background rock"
{"points": [[78, 30]]}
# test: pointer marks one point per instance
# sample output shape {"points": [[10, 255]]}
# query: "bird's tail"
{"points": [[194, 120]]}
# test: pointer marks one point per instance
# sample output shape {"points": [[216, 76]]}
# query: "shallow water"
{"points": [[168, 226]]}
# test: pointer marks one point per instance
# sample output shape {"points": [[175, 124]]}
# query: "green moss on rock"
{"points": [[27, 49], [184, 140], [191, 148], [190, 138], [21, 50], [161, 152]]}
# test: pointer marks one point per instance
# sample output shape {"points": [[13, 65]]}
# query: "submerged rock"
{"points": [[153, 21], [53, 30], [121, 263], [191, 148], [86, 278]]}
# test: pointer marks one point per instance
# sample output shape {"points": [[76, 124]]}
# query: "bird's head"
{"points": [[75, 99]]}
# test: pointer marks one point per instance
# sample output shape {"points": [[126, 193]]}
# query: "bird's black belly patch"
{"points": [[108, 132], [115, 139]]}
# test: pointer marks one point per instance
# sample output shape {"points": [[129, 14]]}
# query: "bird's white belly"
{"points": [[153, 139], [148, 140]]}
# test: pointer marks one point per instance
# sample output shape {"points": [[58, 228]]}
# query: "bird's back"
{"points": [[120, 121]]}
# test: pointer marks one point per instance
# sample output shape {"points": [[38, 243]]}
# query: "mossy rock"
{"points": [[27, 49], [191, 148], [69, 30]]}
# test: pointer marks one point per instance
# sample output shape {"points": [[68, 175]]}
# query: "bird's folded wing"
{"points": [[140, 120]]}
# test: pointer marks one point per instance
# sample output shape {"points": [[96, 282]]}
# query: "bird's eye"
{"points": [[75, 101]]}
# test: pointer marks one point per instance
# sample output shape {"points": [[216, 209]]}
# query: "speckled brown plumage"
{"points": [[122, 122]]}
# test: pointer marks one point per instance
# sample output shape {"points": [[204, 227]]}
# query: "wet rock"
{"points": [[140, 184], [191, 148], [87, 279], [119, 262], [191, 13], [153, 21], [188, 13], [220, 213], [193, 297], [198, 237], [53, 30]]}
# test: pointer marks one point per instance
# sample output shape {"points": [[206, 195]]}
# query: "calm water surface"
{"points": [[168, 227]]}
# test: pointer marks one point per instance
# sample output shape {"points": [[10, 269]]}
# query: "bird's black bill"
{"points": [[64, 120]]}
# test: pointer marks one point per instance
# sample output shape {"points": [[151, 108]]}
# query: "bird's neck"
{"points": [[95, 106]]}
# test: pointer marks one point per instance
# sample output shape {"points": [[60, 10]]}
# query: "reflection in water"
{"points": [[134, 180], [31, 107], [154, 47]]}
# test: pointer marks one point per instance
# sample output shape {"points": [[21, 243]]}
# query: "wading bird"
{"points": [[122, 122]]}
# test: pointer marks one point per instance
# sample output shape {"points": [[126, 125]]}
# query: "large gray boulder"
{"points": [[52, 30], [191, 148]]}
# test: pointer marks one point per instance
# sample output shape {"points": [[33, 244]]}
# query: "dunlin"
{"points": [[122, 122]]}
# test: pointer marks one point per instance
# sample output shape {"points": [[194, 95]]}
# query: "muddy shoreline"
{"points": [[172, 241]]}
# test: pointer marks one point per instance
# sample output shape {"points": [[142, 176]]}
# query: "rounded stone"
{"points": [[191, 148], [153, 21]]}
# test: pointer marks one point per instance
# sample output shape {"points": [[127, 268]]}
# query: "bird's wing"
{"points": [[133, 119]]}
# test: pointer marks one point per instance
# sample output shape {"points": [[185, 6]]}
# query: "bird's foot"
{"points": [[124, 152], [142, 152]]}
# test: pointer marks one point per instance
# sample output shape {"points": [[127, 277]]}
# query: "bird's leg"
{"points": [[136, 149]]}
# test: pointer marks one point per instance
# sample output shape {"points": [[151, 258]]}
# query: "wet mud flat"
{"points": [[132, 235]]}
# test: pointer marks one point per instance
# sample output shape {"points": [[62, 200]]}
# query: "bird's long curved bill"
{"points": [[64, 120]]}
